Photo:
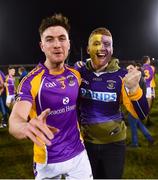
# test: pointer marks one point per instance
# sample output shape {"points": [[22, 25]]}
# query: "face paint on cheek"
{"points": [[93, 55], [93, 48], [108, 40]]}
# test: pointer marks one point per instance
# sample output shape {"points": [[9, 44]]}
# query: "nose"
{"points": [[103, 46], [56, 43]]}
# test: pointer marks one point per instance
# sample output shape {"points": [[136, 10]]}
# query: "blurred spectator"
{"points": [[137, 123], [153, 83], [22, 72], [2, 103], [10, 87], [142, 81], [149, 74]]}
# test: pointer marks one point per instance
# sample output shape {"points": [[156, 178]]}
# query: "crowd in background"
{"points": [[148, 85], [8, 86]]}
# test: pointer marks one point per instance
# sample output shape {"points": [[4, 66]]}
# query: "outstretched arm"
{"points": [[35, 129]]}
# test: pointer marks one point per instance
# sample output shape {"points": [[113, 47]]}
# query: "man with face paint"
{"points": [[105, 86]]}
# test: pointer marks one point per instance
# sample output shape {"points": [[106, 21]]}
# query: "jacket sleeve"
{"points": [[135, 103]]}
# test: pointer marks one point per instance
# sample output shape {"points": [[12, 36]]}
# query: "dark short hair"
{"points": [[55, 20], [133, 63], [138, 65], [11, 67], [145, 59], [21, 68]]}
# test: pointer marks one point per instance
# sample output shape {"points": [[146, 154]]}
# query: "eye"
{"points": [[106, 44], [49, 40], [62, 38], [96, 43]]}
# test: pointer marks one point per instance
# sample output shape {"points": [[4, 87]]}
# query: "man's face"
{"points": [[100, 48], [55, 44], [12, 72]]}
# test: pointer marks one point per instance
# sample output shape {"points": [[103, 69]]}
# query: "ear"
{"points": [[69, 45], [41, 46], [87, 49]]}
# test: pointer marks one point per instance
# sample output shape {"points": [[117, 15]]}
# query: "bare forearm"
{"points": [[36, 129], [17, 127]]}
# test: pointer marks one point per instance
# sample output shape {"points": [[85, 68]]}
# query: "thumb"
{"points": [[44, 115], [53, 129]]}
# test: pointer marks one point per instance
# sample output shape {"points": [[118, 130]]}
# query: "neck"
{"points": [[54, 67], [98, 68]]}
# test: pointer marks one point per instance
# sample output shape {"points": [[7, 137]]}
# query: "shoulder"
{"points": [[122, 72], [79, 65], [34, 74], [74, 71]]}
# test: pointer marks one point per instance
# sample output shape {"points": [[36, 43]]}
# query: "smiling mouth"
{"points": [[101, 55], [57, 53]]}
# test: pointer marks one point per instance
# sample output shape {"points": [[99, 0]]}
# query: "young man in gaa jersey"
{"points": [[102, 91], [47, 96]]}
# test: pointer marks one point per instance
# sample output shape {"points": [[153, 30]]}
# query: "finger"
{"points": [[33, 138], [42, 127], [44, 115], [39, 135], [132, 75]]}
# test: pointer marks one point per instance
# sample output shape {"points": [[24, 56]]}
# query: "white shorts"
{"points": [[10, 99], [148, 92], [75, 168], [153, 92]]}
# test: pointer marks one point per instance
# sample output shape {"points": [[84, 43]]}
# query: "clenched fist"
{"points": [[132, 79]]}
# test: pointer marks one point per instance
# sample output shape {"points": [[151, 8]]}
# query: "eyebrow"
{"points": [[49, 36]]}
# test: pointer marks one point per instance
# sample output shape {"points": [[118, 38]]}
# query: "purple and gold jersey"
{"points": [[149, 74], [10, 85], [2, 79], [100, 97], [59, 93], [153, 83], [2, 75]]}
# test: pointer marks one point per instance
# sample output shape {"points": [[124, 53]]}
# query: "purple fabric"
{"points": [[59, 93]]}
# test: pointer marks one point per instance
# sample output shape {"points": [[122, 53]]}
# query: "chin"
{"points": [[103, 63], [59, 61]]}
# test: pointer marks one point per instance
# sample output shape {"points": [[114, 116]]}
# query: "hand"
{"points": [[38, 131], [132, 79]]}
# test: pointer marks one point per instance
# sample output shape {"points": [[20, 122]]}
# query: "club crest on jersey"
{"points": [[65, 100], [111, 84], [71, 81]]}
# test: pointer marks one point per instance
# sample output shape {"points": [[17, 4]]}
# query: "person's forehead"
{"points": [[100, 37], [55, 31]]}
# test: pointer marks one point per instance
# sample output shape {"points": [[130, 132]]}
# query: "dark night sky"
{"points": [[133, 24]]}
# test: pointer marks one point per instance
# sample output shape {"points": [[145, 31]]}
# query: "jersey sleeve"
{"points": [[78, 65], [29, 86], [24, 90], [135, 103]]}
